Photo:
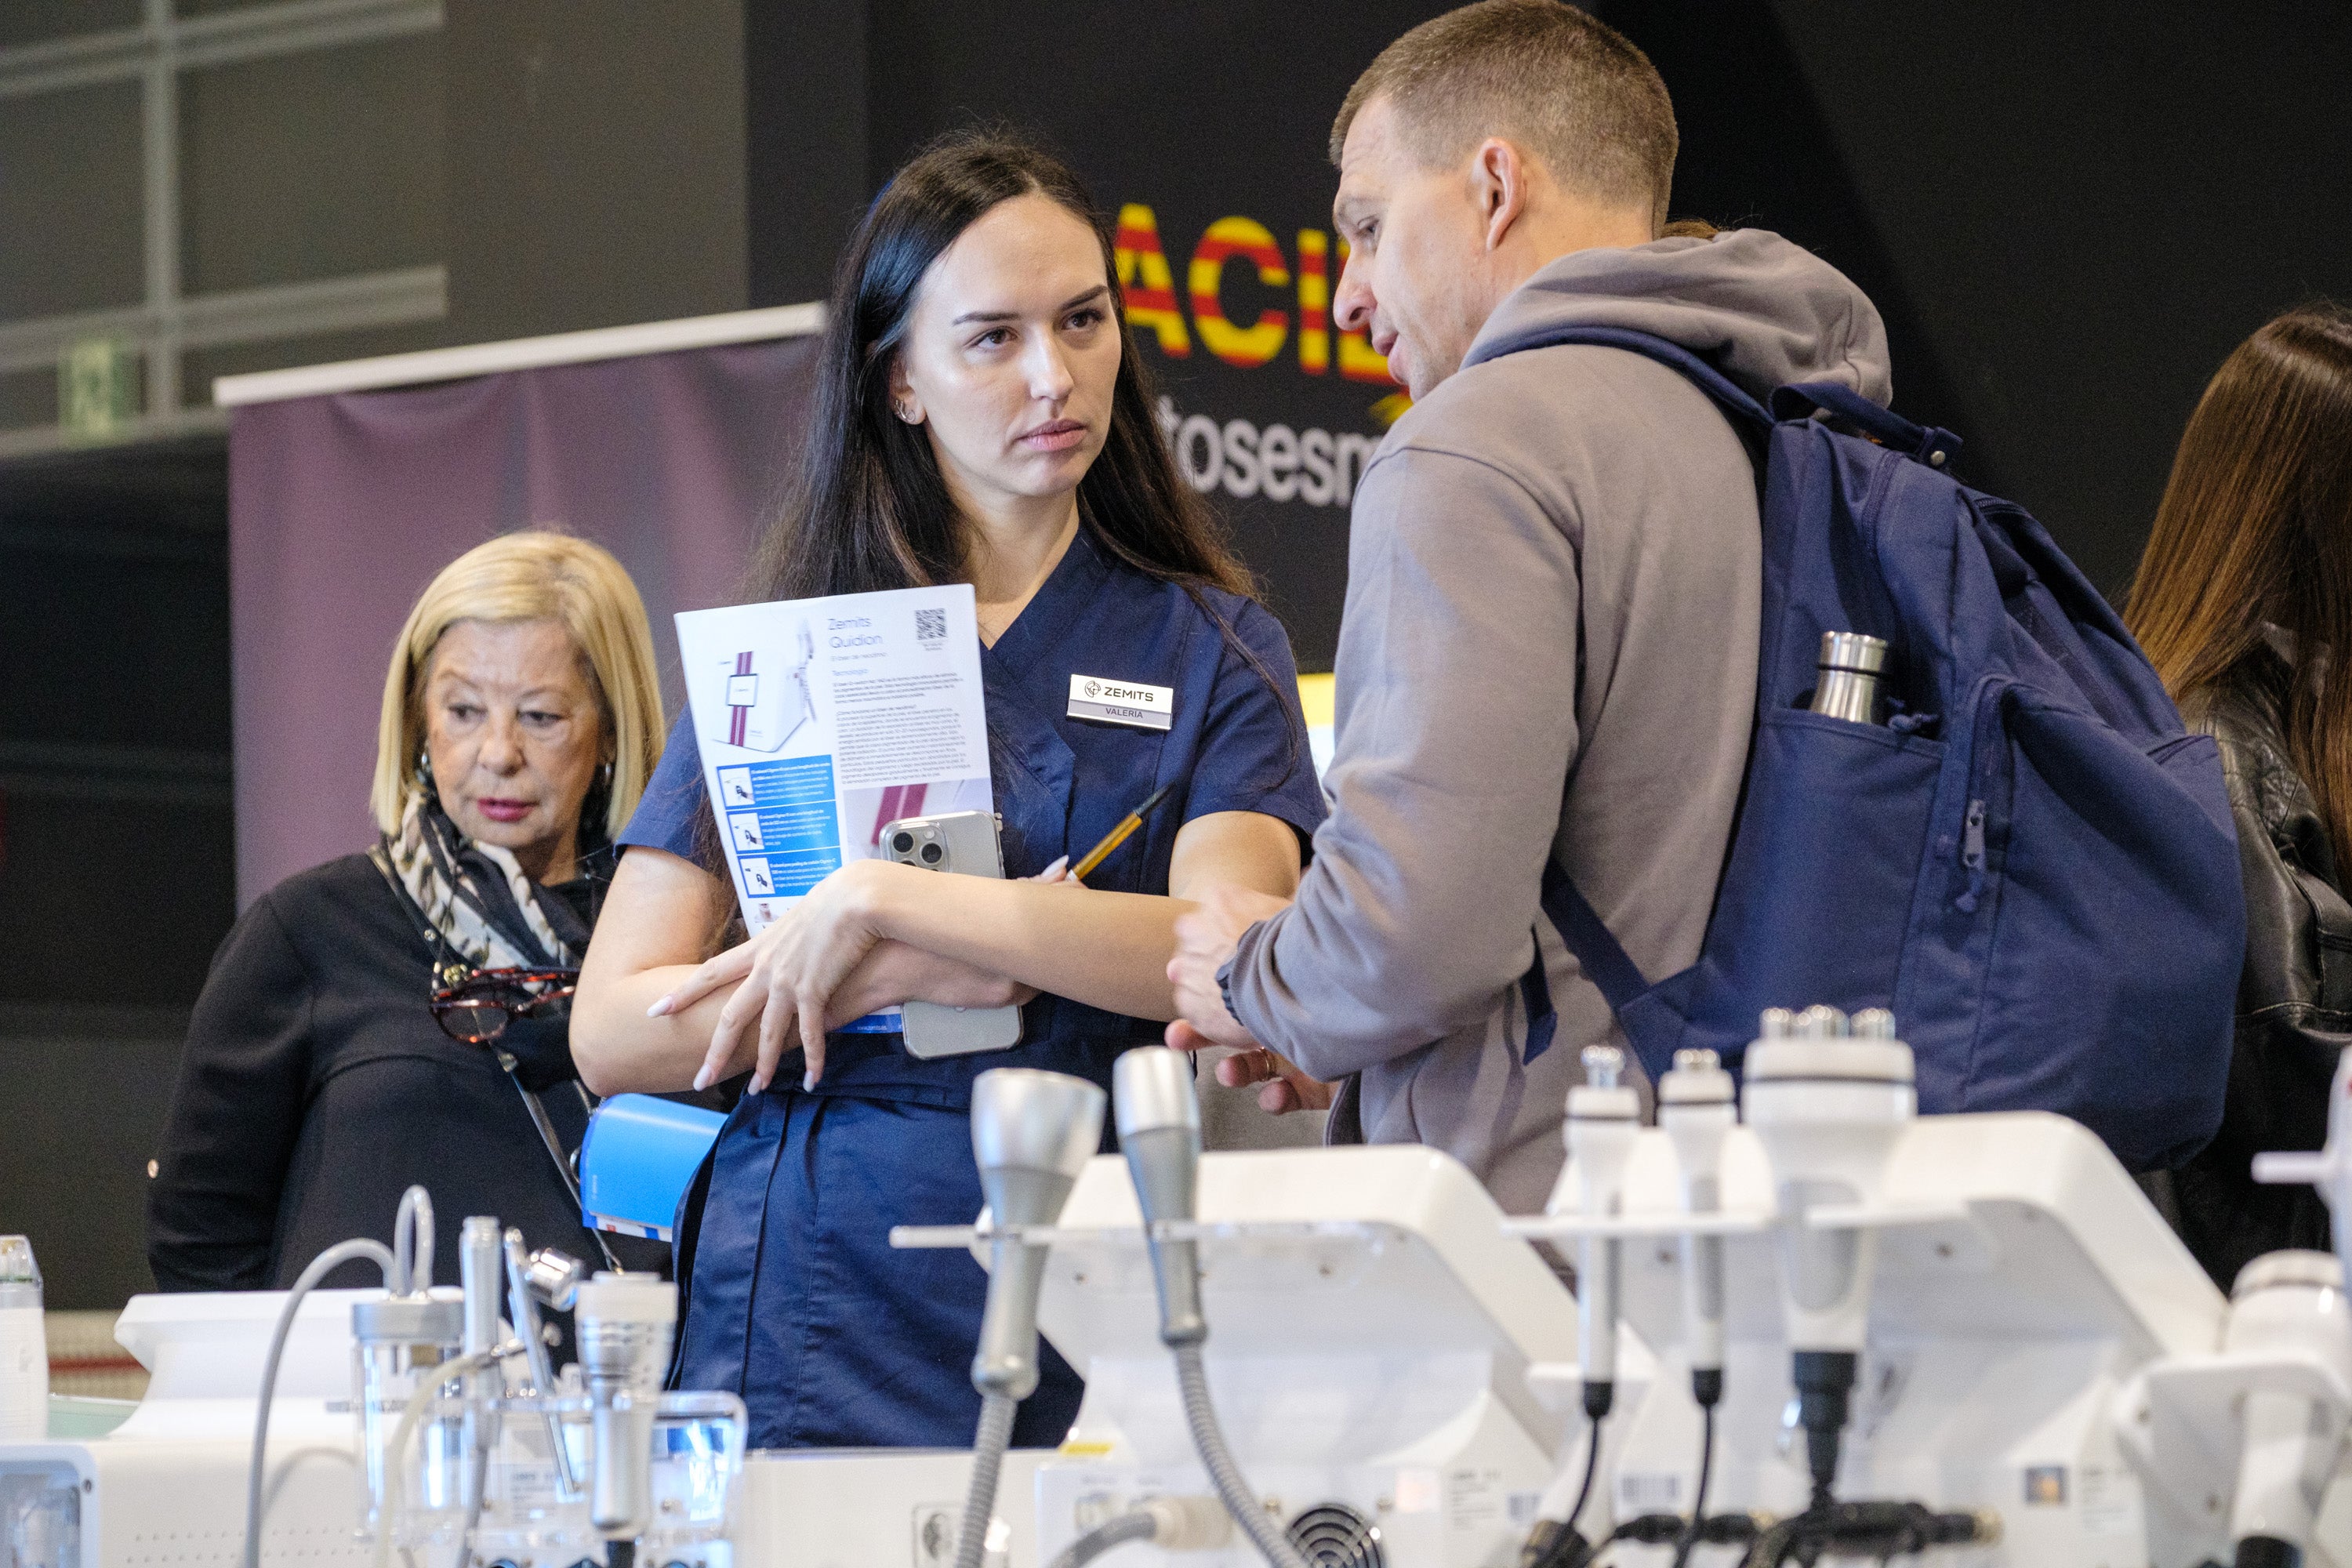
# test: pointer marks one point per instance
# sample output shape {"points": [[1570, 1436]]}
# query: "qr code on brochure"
{"points": [[932, 627]]}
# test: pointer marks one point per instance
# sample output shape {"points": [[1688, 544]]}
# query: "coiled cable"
{"points": [[988, 1446], [1127, 1527], [1233, 1488]]}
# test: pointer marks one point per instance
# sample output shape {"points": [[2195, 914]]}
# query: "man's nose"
{"points": [[1352, 303]]}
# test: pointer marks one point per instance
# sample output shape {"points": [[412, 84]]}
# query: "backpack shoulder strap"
{"points": [[1744, 409], [1581, 930], [1602, 956]]}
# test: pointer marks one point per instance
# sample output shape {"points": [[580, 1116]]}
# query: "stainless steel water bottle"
{"points": [[1849, 668]]}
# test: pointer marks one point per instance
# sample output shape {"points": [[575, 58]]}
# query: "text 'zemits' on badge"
{"points": [[1121, 702]]}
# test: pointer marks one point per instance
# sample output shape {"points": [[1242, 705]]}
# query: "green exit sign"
{"points": [[98, 388]]}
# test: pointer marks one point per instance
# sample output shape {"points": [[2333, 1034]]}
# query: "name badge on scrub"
{"points": [[1121, 702]]}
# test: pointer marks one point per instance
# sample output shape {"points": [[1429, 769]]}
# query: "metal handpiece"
{"points": [[1032, 1134], [555, 1277], [523, 1308], [1160, 1131], [480, 1275], [624, 1322], [1847, 676]]}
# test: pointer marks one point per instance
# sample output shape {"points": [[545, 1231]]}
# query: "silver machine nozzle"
{"points": [[1032, 1134], [1822, 1021], [480, 1276], [1873, 1024], [1603, 1066], [624, 1323], [1160, 1131]]}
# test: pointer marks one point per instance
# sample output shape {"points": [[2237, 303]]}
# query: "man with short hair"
{"points": [[1549, 644]]}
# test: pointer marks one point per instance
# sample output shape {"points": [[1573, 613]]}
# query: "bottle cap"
{"points": [[1853, 651], [16, 1265]]}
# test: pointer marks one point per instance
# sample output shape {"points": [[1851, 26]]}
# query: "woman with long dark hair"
{"points": [[982, 417], [2244, 601]]}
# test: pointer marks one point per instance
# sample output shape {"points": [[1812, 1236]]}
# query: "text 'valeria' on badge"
{"points": [[1121, 702]]}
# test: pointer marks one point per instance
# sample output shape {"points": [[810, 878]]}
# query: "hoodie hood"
{"points": [[1761, 310]]}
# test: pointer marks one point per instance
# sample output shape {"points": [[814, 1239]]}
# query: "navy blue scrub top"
{"points": [[1236, 742], [794, 1297]]}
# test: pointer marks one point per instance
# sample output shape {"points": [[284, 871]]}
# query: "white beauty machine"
{"points": [[1974, 1327]]}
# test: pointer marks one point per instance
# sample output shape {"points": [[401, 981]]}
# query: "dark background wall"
{"points": [[2068, 214]]}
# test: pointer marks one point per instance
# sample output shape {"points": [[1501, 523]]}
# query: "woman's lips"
{"points": [[1059, 436], [503, 810]]}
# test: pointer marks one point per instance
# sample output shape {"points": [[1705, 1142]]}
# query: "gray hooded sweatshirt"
{"points": [[1549, 649]]}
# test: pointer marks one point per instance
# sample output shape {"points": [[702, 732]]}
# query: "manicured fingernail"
{"points": [[702, 1078], [1054, 870], [808, 1083], [660, 1009], [759, 1084]]}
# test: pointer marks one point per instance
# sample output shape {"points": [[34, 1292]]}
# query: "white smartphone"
{"points": [[964, 842]]}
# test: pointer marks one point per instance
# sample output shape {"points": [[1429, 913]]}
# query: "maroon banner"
{"points": [[343, 507]]}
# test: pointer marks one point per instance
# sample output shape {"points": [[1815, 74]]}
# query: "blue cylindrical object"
{"points": [[636, 1162]]}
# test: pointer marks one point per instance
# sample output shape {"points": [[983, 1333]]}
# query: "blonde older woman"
{"points": [[338, 1051]]}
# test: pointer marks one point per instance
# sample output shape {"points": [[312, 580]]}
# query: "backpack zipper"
{"points": [[1973, 855]]}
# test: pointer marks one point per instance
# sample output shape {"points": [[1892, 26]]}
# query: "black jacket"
{"points": [[315, 1087], [2294, 994]]}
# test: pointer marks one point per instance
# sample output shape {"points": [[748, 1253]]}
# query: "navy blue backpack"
{"points": [[2032, 863]]}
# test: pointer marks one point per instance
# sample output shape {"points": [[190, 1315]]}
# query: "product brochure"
{"points": [[822, 720]]}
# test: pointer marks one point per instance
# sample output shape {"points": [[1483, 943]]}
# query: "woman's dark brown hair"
{"points": [[2256, 527], [870, 510]]}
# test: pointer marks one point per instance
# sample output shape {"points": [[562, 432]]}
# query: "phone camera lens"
{"points": [[902, 842], [933, 854]]}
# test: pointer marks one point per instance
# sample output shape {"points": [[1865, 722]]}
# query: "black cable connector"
{"points": [[1868, 1530], [1667, 1530], [2267, 1552], [1554, 1543], [1824, 1382]]}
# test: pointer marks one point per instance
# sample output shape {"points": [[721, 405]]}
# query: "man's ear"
{"points": [[1499, 177]]}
